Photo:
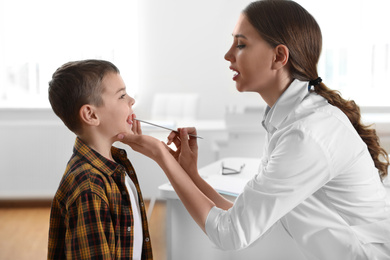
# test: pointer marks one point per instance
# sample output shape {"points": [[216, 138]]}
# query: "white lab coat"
{"points": [[318, 179]]}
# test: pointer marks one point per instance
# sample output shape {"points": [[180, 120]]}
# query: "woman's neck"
{"points": [[272, 94]]}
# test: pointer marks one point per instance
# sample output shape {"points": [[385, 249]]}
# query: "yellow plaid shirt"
{"points": [[91, 216]]}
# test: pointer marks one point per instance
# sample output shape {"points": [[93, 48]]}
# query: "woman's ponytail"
{"points": [[368, 134]]}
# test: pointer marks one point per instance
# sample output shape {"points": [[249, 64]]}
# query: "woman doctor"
{"points": [[321, 169]]}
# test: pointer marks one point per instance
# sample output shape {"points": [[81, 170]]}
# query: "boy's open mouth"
{"points": [[129, 120]]}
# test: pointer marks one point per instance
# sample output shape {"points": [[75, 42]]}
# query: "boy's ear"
{"points": [[88, 115], [281, 56]]}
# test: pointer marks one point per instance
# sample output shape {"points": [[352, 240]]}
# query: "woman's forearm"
{"points": [[195, 201], [187, 156], [211, 193]]}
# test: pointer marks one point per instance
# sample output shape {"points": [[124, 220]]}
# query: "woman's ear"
{"points": [[281, 57], [88, 115]]}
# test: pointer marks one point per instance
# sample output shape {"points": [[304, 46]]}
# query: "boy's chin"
{"points": [[128, 132]]}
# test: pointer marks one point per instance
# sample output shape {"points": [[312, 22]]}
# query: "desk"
{"points": [[185, 240]]}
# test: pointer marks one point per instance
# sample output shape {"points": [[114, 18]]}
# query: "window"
{"points": [[36, 37], [355, 55]]}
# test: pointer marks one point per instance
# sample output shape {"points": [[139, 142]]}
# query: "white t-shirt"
{"points": [[317, 178], [138, 234]]}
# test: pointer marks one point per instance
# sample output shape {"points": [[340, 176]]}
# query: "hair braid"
{"points": [[366, 132]]}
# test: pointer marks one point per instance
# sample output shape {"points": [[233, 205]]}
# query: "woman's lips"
{"points": [[235, 76], [236, 73]]}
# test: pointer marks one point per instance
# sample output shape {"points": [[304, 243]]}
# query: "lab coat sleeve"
{"points": [[297, 166]]}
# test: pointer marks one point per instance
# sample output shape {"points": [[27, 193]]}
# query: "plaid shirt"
{"points": [[91, 216]]}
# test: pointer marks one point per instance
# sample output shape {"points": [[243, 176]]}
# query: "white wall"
{"points": [[182, 48], [35, 147]]}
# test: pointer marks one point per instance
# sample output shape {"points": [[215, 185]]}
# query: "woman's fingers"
{"points": [[171, 137], [177, 142], [144, 144], [184, 137], [136, 127], [189, 142], [191, 130]]}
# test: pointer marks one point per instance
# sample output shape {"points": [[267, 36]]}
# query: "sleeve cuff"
{"points": [[212, 222]]}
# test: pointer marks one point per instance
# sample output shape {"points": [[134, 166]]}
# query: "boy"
{"points": [[98, 210]]}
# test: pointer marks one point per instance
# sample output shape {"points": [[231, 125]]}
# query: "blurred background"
{"points": [[170, 54], [171, 57]]}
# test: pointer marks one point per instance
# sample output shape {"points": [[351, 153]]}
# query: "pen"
{"points": [[166, 128]]}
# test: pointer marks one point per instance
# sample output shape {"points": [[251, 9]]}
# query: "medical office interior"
{"points": [[171, 57]]}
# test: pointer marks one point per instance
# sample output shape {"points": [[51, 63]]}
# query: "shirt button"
{"points": [[147, 239], [131, 172], [122, 152], [123, 192], [142, 204], [128, 229]]}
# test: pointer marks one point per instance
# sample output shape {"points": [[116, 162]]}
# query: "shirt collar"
{"points": [[286, 103], [98, 161]]}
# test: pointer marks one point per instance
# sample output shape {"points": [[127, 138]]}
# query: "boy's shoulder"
{"points": [[81, 177]]}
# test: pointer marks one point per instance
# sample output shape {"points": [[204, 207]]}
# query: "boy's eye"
{"points": [[123, 96]]}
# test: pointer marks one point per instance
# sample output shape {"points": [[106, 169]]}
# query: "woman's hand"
{"points": [[147, 145], [136, 127], [187, 149], [187, 156]]}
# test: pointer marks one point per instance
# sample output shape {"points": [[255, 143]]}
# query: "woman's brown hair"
{"points": [[287, 23]]}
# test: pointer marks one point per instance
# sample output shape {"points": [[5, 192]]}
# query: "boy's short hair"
{"points": [[75, 84]]}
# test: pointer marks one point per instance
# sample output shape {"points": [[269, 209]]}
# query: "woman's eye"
{"points": [[240, 46]]}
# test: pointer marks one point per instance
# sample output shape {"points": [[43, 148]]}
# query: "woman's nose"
{"points": [[229, 55]]}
